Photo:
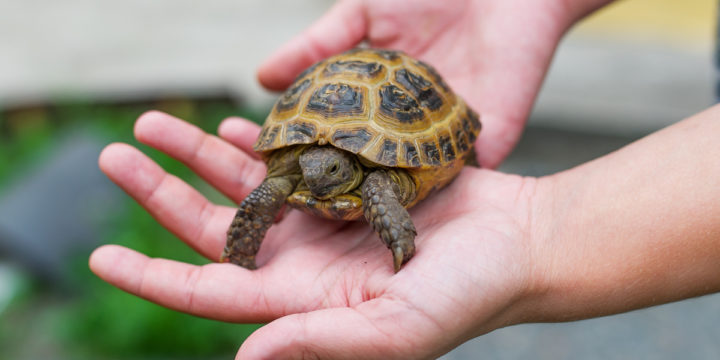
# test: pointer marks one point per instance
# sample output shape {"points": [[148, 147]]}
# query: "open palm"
{"points": [[327, 287], [492, 53]]}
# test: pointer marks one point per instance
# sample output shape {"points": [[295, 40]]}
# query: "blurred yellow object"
{"points": [[688, 22]]}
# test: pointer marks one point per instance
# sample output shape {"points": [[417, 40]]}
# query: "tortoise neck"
{"points": [[329, 171], [403, 185]]}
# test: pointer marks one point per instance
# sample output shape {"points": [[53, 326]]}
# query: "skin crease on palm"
{"points": [[327, 288]]}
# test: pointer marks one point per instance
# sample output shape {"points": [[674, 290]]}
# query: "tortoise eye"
{"points": [[334, 169]]}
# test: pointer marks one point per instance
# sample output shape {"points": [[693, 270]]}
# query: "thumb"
{"points": [[339, 333], [340, 29]]}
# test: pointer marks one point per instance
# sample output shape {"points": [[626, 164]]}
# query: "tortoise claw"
{"points": [[398, 257]]}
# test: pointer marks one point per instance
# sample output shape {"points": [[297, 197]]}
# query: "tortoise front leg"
{"points": [[252, 220], [388, 217]]}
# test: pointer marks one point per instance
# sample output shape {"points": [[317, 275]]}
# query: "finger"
{"points": [[233, 172], [175, 204], [241, 133], [377, 329], [340, 29], [218, 291]]}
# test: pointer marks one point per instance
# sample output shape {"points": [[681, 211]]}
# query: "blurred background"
{"points": [[75, 74]]}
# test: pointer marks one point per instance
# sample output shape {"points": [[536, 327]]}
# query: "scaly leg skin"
{"points": [[252, 220], [388, 217]]}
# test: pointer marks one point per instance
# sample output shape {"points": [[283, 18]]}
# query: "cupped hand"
{"points": [[492, 53], [327, 288]]}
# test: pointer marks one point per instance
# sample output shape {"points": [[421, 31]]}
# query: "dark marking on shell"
{"points": [[335, 100], [469, 129], [447, 148], [361, 68], [300, 133], [436, 78], [351, 140], [423, 90], [431, 153], [388, 54], [269, 134], [461, 139], [474, 118], [307, 71], [397, 104], [411, 154], [388, 154], [471, 120], [290, 98]]}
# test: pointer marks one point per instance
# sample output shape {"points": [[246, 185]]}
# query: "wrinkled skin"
{"points": [[325, 286], [329, 172]]}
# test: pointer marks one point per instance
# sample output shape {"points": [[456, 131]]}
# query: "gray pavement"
{"points": [[684, 330]]}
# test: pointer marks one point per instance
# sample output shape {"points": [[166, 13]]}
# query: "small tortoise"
{"points": [[367, 132]]}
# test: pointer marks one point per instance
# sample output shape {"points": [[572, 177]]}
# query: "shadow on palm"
{"points": [[463, 234]]}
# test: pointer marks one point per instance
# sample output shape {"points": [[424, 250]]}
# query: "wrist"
{"points": [[532, 281], [566, 282], [547, 213], [627, 230]]}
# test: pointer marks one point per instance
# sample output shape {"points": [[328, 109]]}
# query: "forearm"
{"points": [[635, 228]]}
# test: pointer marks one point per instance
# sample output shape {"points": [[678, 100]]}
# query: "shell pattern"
{"points": [[382, 105]]}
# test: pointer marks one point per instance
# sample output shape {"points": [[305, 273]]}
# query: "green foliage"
{"points": [[96, 320], [108, 321]]}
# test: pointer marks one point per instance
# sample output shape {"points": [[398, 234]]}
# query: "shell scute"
{"points": [[398, 105], [430, 152], [354, 69], [410, 153], [382, 105], [337, 100], [387, 153], [352, 140], [300, 133], [423, 90]]}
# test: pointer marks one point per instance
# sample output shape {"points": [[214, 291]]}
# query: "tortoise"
{"points": [[367, 133]]}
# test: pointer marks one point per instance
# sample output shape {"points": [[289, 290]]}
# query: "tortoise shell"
{"points": [[384, 106]]}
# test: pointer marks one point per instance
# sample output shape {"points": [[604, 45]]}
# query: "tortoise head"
{"points": [[329, 171]]}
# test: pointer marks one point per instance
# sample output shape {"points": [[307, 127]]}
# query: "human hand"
{"points": [[326, 287], [492, 53]]}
